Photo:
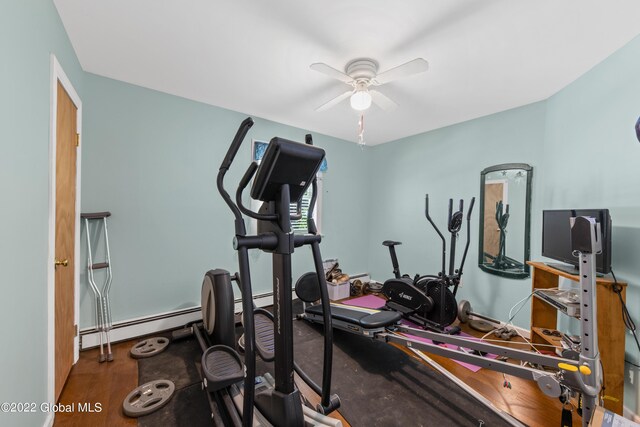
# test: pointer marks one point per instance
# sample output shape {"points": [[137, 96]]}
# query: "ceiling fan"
{"points": [[361, 74]]}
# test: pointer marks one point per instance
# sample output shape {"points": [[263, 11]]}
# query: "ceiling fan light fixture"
{"points": [[361, 100]]}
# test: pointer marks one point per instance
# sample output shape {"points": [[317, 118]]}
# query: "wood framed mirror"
{"points": [[505, 217]]}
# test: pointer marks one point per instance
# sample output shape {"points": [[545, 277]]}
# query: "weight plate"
{"points": [[464, 308], [149, 347], [480, 325], [148, 398]]}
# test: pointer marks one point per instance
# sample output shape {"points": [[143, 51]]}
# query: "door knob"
{"points": [[63, 262]]}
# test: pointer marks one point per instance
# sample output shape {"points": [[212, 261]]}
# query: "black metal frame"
{"points": [[405, 294], [527, 222], [275, 236]]}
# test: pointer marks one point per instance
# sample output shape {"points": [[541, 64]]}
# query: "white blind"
{"points": [[300, 226]]}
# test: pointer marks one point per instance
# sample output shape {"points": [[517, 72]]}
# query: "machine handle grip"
{"points": [[251, 170], [435, 227], [473, 201], [308, 139], [237, 142], [426, 205]]}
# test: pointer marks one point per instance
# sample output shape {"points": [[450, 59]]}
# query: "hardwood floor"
{"points": [[524, 400], [99, 384], [108, 384]]}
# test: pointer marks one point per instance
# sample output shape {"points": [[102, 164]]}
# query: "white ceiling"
{"points": [[253, 56]]}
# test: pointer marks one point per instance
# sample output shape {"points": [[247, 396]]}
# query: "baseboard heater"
{"points": [[128, 329]]}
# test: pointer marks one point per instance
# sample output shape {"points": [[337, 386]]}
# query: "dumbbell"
{"points": [[465, 310]]}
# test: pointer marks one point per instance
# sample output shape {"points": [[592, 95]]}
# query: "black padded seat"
{"points": [[366, 319]]}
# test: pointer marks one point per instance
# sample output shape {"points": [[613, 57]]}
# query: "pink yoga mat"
{"points": [[375, 302], [367, 301]]}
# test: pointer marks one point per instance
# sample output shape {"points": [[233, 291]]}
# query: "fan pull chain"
{"points": [[361, 131]]}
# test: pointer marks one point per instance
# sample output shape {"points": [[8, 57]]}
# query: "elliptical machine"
{"points": [[427, 300], [287, 170]]}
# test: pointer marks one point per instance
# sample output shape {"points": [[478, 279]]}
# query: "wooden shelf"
{"points": [[541, 266], [610, 326], [550, 339]]}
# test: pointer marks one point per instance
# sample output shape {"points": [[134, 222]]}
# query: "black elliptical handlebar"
{"points": [[466, 248], [224, 167], [435, 227], [454, 225], [244, 280], [236, 143]]}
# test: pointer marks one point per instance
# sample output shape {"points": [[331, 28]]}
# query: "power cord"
{"points": [[626, 317]]}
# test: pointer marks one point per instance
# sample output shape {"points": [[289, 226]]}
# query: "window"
{"points": [[297, 226], [300, 225]]}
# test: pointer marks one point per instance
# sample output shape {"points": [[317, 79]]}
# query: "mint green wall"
{"points": [[446, 163], [583, 148], [591, 160], [31, 31], [152, 160]]}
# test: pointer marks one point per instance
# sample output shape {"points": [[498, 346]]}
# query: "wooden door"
{"points": [[66, 144]]}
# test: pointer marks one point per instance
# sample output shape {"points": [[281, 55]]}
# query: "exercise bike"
{"points": [[287, 170], [428, 300]]}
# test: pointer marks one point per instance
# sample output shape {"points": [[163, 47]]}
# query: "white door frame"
{"points": [[58, 74]]}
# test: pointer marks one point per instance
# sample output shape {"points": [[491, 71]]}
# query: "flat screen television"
{"points": [[556, 237]]}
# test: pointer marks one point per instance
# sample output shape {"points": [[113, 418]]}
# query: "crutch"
{"points": [[103, 307]]}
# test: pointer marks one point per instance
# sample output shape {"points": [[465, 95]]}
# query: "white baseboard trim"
{"points": [[630, 415], [132, 328]]}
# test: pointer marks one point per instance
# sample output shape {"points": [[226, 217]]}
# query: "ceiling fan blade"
{"points": [[415, 66], [335, 101], [382, 101], [331, 72]]}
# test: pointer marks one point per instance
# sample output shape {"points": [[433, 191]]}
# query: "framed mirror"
{"points": [[505, 205]]}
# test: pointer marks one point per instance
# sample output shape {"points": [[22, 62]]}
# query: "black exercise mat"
{"points": [[180, 363], [380, 385]]}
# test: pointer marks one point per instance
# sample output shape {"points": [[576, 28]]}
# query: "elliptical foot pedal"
{"points": [[265, 343], [148, 398], [221, 367]]}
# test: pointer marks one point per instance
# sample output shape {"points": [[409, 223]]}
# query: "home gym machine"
{"points": [[427, 300], [286, 172], [557, 377]]}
